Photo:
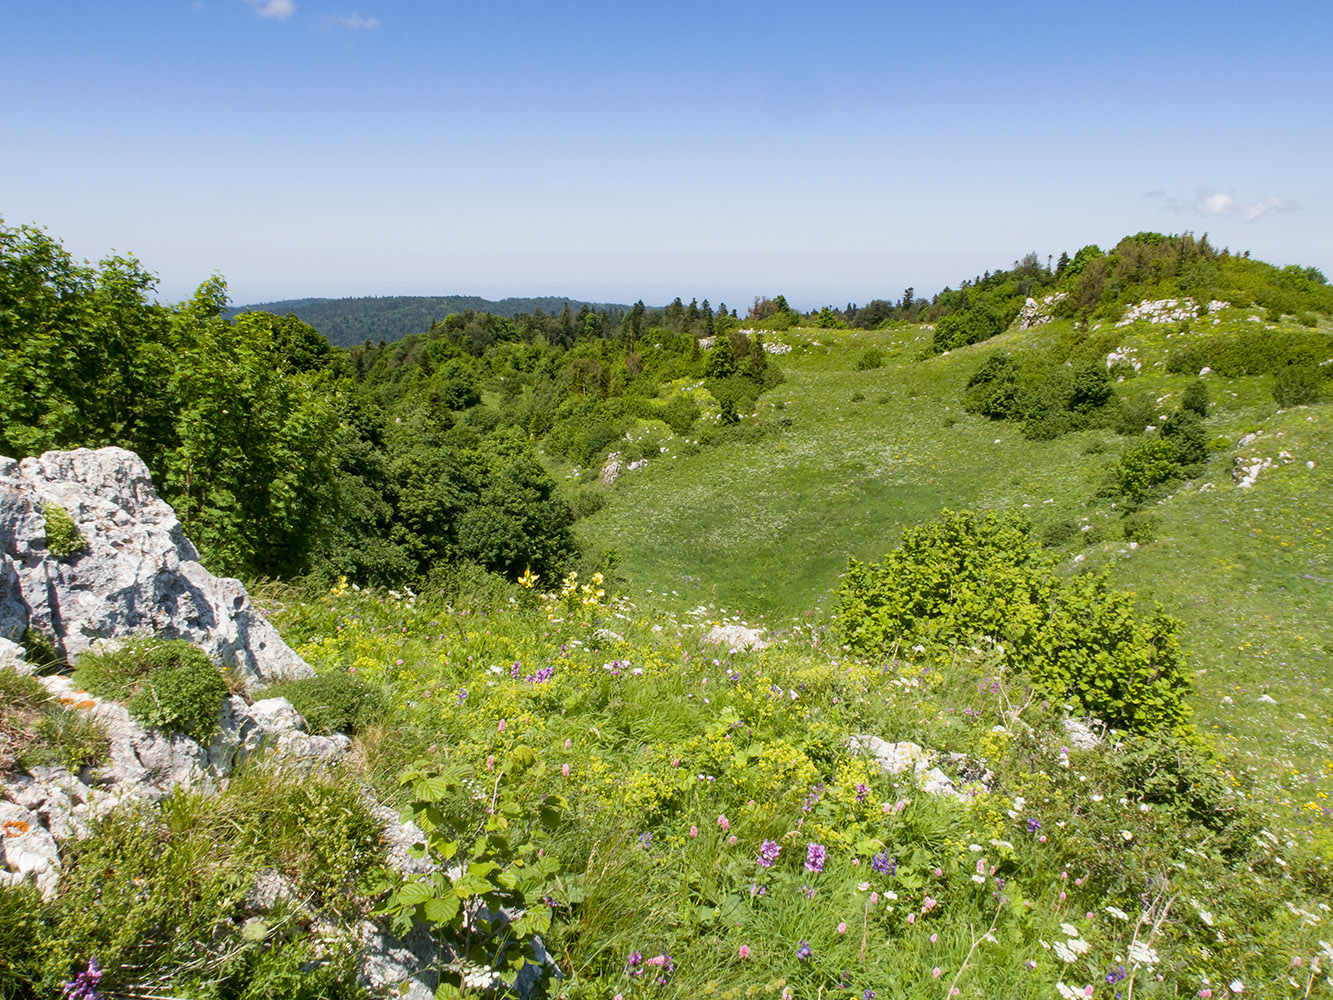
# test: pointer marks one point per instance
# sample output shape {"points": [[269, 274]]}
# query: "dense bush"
{"points": [[871, 358], [22, 922], [1195, 398], [169, 684], [964, 576], [1259, 352], [1296, 384], [1135, 413], [332, 702], [1144, 467], [1140, 527], [186, 698]]}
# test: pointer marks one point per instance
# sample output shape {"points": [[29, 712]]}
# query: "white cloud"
{"points": [[281, 9], [1270, 204], [356, 21], [1214, 204]]}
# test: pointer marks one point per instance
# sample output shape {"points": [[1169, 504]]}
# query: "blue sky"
{"points": [[831, 152]]}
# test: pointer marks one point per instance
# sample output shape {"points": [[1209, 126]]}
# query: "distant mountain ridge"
{"points": [[349, 321]]}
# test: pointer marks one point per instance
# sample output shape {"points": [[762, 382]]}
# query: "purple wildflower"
{"points": [[814, 858], [862, 790], [1033, 825], [884, 864], [803, 951], [768, 852], [84, 985], [646, 840]]}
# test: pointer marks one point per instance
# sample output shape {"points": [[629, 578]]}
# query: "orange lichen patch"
{"points": [[14, 827], [89, 703]]}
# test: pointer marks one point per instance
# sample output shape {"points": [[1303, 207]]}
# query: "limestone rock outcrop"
{"points": [[137, 572]]}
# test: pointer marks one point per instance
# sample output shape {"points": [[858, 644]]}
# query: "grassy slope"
{"points": [[766, 527]]}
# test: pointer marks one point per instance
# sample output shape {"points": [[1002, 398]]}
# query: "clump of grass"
{"points": [[22, 702], [63, 537], [70, 737]]}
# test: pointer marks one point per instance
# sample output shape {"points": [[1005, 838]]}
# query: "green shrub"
{"points": [[1095, 534], [39, 649], [1091, 388], [871, 358], [680, 413], [22, 700], [1058, 533], [332, 703], [1297, 384], [1148, 464], [119, 672], [1140, 527], [1185, 431], [1195, 398], [964, 576], [181, 699], [586, 501], [1135, 414], [62, 534]]}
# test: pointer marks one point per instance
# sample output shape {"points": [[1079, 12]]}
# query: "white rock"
{"points": [[1267, 700], [28, 852], [139, 573], [1081, 734], [736, 636], [12, 658], [276, 716], [893, 758]]}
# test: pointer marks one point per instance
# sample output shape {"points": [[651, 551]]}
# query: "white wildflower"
{"points": [[1142, 954]]}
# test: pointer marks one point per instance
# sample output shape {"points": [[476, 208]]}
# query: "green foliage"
{"points": [[22, 701], [1294, 385], [493, 846], [63, 537], [1058, 533], [189, 866], [519, 522], [333, 702], [680, 413], [1146, 466], [1251, 352], [117, 672], [1135, 413], [1141, 527], [71, 738], [169, 684], [1184, 429], [981, 321], [22, 922], [871, 358], [183, 699], [964, 576], [1091, 388], [1195, 398]]}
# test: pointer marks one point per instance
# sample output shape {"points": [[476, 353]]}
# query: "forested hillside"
{"points": [[375, 318]]}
